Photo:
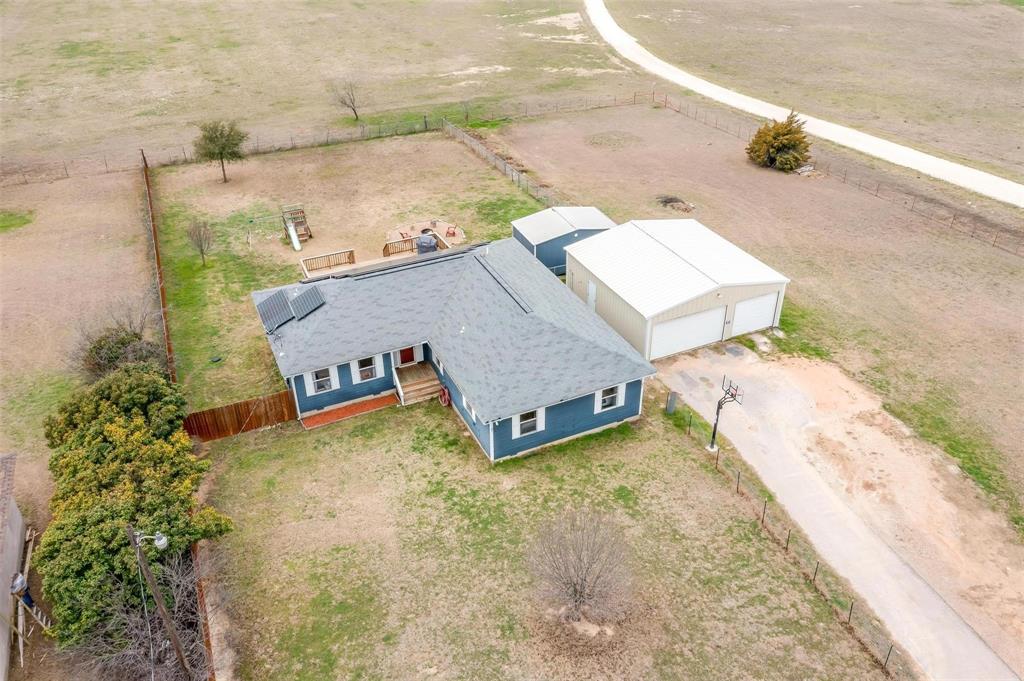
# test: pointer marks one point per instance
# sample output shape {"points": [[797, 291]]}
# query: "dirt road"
{"points": [[910, 533], [960, 175]]}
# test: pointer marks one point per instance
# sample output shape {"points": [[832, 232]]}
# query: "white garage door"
{"points": [[755, 313], [687, 332]]}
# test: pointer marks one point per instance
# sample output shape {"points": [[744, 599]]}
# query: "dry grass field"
{"points": [[926, 315], [100, 77], [943, 77], [388, 547], [353, 194]]}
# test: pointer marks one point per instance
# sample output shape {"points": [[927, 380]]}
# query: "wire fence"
{"points": [[857, 617], [543, 193], [971, 224]]}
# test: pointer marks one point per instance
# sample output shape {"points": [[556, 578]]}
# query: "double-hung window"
{"points": [[322, 381], [609, 398], [528, 422], [365, 369]]}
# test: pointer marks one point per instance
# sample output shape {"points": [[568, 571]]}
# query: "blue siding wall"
{"points": [[347, 391], [523, 240], [552, 253], [565, 420], [480, 430]]}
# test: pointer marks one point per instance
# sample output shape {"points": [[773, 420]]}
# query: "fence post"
{"points": [[764, 510], [849, 616], [788, 535], [689, 423], [817, 564], [886, 663], [737, 482]]}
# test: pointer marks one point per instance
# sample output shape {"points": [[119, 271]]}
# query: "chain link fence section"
{"points": [[856, 616]]}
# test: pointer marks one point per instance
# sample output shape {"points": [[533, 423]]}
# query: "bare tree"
{"points": [[346, 95], [201, 236], [120, 647], [465, 104], [581, 563], [122, 337]]}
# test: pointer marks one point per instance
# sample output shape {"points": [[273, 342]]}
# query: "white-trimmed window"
{"points": [[528, 422], [322, 380], [609, 398], [367, 368], [440, 367], [470, 410]]}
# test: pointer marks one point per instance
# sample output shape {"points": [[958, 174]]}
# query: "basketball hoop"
{"points": [[732, 392]]}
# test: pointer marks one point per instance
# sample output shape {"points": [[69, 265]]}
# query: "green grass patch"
{"points": [[30, 400], [14, 219], [802, 333], [495, 215], [934, 419], [221, 353], [339, 617], [102, 58]]}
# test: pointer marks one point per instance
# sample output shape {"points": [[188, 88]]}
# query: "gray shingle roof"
{"points": [[511, 335]]}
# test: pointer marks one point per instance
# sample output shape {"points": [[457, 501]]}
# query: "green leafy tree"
{"points": [[121, 457], [220, 141], [781, 145]]}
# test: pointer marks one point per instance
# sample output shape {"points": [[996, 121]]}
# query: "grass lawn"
{"points": [[220, 351], [386, 546], [353, 194], [13, 219]]}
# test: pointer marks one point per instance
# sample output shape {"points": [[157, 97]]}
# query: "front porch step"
{"points": [[419, 391]]}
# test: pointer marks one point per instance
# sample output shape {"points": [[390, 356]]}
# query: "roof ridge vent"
{"points": [[512, 293]]}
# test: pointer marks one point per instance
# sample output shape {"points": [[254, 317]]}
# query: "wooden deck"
{"points": [[416, 373]]}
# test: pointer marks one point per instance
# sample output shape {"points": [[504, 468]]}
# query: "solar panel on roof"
{"points": [[275, 312], [307, 301]]}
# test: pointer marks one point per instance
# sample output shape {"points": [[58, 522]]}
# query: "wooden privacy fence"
{"points": [[232, 419]]}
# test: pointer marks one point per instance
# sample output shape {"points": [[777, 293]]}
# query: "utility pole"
{"points": [[172, 633]]}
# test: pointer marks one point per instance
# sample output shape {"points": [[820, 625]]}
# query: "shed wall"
{"points": [[552, 253], [619, 314], [10, 562]]}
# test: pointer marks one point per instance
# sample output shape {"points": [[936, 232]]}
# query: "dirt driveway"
{"points": [[848, 472]]}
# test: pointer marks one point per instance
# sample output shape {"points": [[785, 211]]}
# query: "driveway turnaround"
{"points": [[978, 181], [938, 639]]}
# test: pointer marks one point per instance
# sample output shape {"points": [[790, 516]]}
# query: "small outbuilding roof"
{"points": [[655, 265], [513, 336], [551, 223]]}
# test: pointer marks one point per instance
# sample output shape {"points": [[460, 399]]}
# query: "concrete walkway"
{"points": [[978, 181], [938, 639]]}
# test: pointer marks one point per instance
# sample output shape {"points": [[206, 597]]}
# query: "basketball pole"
{"points": [[732, 394]]}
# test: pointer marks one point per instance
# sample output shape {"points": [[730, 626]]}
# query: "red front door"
{"points": [[406, 356]]}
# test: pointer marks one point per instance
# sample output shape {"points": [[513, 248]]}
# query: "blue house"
{"points": [[548, 232], [521, 359]]}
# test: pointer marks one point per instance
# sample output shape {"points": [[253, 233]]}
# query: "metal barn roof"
{"points": [[554, 222], [655, 265]]}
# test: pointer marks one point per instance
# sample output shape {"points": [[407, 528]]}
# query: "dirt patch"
{"points": [[822, 59], [906, 490], [907, 304], [94, 79]]}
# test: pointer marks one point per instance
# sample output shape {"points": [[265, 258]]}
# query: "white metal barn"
{"points": [[668, 286]]}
